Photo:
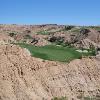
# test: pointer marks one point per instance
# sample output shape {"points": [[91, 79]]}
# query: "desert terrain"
{"points": [[49, 62]]}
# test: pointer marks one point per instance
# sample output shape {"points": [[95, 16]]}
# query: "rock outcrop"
{"points": [[5, 39]]}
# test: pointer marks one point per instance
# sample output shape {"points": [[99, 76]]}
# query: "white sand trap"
{"points": [[84, 51]]}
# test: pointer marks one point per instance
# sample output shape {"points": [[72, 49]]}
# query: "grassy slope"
{"points": [[97, 28], [52, 52]]}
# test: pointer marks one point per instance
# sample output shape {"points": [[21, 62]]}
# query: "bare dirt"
{"points": [[75, 38], [23, 77]]}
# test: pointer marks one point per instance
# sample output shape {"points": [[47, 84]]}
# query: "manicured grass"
{"points": [[76, 30], [97, 28], [43, 33], [52, 52]]}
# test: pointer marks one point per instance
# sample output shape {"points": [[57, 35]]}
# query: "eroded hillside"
{"points": [[23, 77]]}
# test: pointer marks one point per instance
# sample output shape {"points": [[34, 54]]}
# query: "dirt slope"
{"points": [[5, 39], [34, 34], [23, 77]]}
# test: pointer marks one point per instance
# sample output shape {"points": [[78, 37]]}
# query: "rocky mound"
{"points": [[40, 35], [23, 77], [5, 39]]}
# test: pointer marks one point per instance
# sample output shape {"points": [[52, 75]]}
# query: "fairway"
{"points": [[52, 52]]}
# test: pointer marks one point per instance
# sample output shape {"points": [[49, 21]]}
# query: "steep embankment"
{"points": [[23, 77]]}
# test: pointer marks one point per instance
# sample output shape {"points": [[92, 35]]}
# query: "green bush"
{"points": [[84, 31], [68, 27], [62, 98], [89, 98], [43, 32], [12, 34], [28, 37], [93, 50]]}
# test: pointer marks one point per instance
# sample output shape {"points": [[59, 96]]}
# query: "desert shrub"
{"points": [[84, 31], [43, 32], [89, 98], [34, 40], [52, 39], [28, 37], [93, 50], [12, 34], [58, 40], [27, 31], [68, 27], [62, 98]]}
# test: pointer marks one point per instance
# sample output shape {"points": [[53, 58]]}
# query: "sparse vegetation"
{"points": [[90, 98], [69, 27], [28, 37], [84, 31], [46, 78], [57, 40], [76, 30], [93, 50], [96, 28], [61, 98], [43, 32], [12, 34], [80, 98]]}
